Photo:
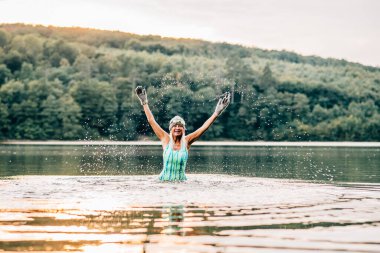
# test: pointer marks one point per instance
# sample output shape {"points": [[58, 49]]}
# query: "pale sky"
{"points": [[343, 29]]}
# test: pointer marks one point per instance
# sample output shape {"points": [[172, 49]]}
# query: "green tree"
{"points": [[4, 121], [242, 76], [61, 118], [5, 74], [50, 118], [70, 115], [83, 65], [13, 60], [98, 104], [4, 38], [56, 50], [266, 80], [92, 74], [29, 46], [26, 72], [106, 67]]}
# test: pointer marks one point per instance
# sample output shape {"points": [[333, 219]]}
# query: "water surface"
{"points": [[237, 199], [348, 164]]}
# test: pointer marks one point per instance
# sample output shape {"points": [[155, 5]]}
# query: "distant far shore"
{"points": [[199, 143]]}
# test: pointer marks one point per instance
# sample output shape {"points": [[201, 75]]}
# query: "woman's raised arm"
{"points": [[220, 107], [161, 134]]}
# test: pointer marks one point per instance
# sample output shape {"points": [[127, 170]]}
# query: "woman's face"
{"points": [[178, 130]]}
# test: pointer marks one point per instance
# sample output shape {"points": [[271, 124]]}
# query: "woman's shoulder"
{"points": [[165, 141], [186, 143]]}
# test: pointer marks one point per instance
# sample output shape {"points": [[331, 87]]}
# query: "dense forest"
{"points": [[78, 84]]}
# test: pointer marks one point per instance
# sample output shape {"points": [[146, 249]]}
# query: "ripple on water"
{"points": [[207, 213]]}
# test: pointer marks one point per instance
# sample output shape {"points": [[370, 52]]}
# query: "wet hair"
{"points": [[177, 120], [171, 142]]}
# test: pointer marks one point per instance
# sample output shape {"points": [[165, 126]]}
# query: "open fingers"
{"points": [[138, 89], [226, 98]]}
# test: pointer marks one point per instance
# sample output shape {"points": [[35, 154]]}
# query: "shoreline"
{"points": [[199, 143]]}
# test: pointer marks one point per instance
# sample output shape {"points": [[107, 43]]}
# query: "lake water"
{"points": [[237, 199]]}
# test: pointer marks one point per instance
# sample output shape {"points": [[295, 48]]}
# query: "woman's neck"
{"points": [[177, 139]]}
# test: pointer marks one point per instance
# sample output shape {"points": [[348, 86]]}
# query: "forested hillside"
{"points": [[75, 83]]}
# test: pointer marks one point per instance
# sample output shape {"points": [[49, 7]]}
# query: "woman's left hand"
{"points": [[223, 103]]}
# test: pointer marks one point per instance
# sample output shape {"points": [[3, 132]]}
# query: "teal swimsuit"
{"points": [[174, 163]]}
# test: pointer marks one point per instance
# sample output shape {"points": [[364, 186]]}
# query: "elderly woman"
{"points": [[176, 143]]}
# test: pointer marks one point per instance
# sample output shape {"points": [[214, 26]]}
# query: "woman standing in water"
{"points": [[176, 144]]}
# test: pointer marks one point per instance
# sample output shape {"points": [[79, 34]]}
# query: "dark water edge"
{"points": [[198, 143], [318, 163]]}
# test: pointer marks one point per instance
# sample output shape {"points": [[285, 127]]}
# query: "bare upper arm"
{"points": [[191, 138], [165, 141], [157, 129]]}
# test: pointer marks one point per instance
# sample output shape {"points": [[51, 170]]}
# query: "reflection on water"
{"points": [[237, 199], [208, 213]]}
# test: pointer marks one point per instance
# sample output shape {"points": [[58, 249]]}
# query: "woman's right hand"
{"points": [[141, 94]]}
